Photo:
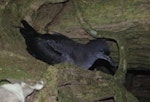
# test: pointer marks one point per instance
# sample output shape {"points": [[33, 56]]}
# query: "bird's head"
{"points": [[100, 49]]}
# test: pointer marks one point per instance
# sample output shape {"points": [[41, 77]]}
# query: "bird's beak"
{"points": [[107, 58]]}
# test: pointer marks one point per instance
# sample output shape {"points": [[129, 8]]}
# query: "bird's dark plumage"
{"points": [[57, 48]]}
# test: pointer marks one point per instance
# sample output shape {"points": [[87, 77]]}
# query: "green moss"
{"points": [[107, 12], [13, 72], [51, 76], [19, 66], [66, 95]]}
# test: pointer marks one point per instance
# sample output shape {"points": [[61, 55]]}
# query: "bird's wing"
{"points": [[57, 46], [45, 52], [61, 50], [60, 43]]}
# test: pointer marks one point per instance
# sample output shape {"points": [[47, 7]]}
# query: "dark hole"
{"points": [[103, 66]]}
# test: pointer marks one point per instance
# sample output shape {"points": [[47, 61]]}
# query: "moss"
{"points": [[107, 12], [51, 77], [18, 66], [66, 95], [14, 72]]}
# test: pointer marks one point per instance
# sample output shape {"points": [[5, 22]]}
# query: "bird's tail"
{"points": [[27, 30]]}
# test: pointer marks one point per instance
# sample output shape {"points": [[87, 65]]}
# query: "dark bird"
{"points": [[56, 48]]}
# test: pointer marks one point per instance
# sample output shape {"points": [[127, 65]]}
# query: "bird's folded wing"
{"points": [[57, 46]]}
